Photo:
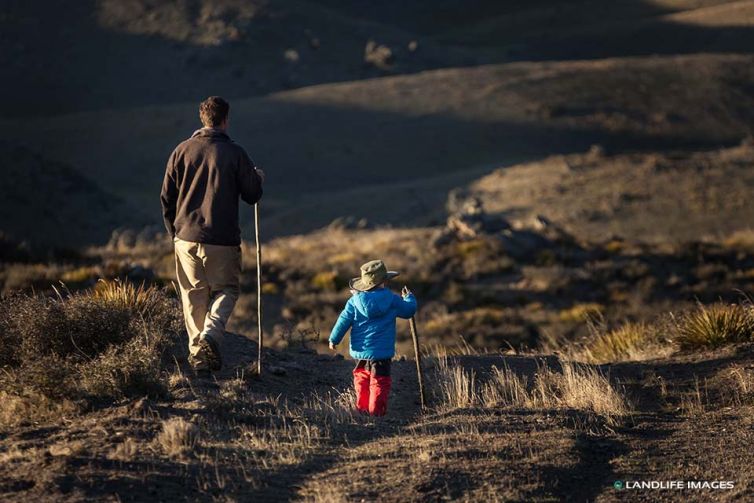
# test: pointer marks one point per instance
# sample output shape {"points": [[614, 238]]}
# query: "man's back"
{"points": [[204, 178]]}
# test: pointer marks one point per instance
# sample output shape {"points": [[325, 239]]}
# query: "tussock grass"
{"points": [[506, 389], [581, 388], [104, 344], [139, 300], [178, 437], [629, 342], [125, 451], [574, 387], [714, 325], [457, 386]]}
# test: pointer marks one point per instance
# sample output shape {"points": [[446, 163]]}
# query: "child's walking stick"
{"points": [[417, 353], [259, 290]]}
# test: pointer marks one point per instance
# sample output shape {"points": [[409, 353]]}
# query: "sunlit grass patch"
{"points": [[631, 341], [714, 325], [581, 312]]}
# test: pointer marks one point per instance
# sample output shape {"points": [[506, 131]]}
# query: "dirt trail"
{"points": [[470, 453]]}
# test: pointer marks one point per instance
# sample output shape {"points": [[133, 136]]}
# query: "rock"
{"points": [[471, 220], [377, 55], [291, 55]]}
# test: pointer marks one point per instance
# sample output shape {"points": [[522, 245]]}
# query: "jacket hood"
{"points": [[373, 304]]}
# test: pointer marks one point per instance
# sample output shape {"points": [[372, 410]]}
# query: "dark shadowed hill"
{"points": [[94, 54], [50, 202], [415, 136]]}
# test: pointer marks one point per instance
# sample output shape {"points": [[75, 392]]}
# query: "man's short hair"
{"points": [[213, 111]]}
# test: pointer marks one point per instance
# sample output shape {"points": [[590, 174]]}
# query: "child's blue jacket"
{"points": [[371, 318]]}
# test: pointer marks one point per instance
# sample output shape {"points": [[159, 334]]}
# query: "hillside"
{"points": [[102, 54], [50, 202], [416, 136], [659, 197], [566, 188], [499, 427]]}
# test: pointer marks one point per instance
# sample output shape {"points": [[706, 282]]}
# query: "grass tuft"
{"points": [[629, 342], [574, 387], [714, 325], [178, 437]]}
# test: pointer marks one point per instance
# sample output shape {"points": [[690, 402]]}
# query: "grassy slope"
{"points": [[251, 446], [421, 134], [657, 197]]}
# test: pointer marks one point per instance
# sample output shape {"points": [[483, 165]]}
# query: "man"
{"points": [[204, 178]]}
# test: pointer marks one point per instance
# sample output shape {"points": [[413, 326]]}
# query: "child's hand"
{"points": [[405, 292], [332, 346]]}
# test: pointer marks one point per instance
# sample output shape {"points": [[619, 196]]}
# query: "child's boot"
{"points": [[379, 393], [361, 385]]}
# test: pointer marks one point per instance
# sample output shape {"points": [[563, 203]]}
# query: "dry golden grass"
{"points": [[629, 342], [714, 325], [88, 347], [740, 239], [574, 387], [580, 313], [178, 437], [742, 379], [124, 451], [457, 387], [581, 388], [505, 389], [32, 406], [141, 300]]}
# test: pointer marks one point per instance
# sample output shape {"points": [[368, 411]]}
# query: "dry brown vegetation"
{"points": [[570, 386], [105, 344], [606, 147], [293, 432]]}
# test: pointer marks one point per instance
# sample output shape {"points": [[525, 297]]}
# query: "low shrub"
{"points": [[103, 344]]}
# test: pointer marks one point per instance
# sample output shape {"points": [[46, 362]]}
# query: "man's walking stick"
{"points": [[417, 353], [259, 290]]}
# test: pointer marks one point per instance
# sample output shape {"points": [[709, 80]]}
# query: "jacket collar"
{"points": [[210, 132]]}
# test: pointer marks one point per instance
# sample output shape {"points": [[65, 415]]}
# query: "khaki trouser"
{"points": [[208, 276]]}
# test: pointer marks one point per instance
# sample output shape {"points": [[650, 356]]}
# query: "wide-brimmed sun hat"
{"points": [[373, 273]]}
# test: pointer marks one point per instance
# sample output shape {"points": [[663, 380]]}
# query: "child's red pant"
{"points": [[372, 382]]}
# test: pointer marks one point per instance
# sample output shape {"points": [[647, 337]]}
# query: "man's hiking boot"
{"points": [[207, 358], [210, 353]]}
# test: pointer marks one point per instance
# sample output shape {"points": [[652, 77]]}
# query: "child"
{"points": [[370, 314]]}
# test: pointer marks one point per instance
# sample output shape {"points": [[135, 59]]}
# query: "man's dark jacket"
{"points": [[204, 178]]}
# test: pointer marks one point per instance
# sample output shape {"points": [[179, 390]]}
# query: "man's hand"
{"points": [[405, 292], [332, 346], [260, 172]]}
